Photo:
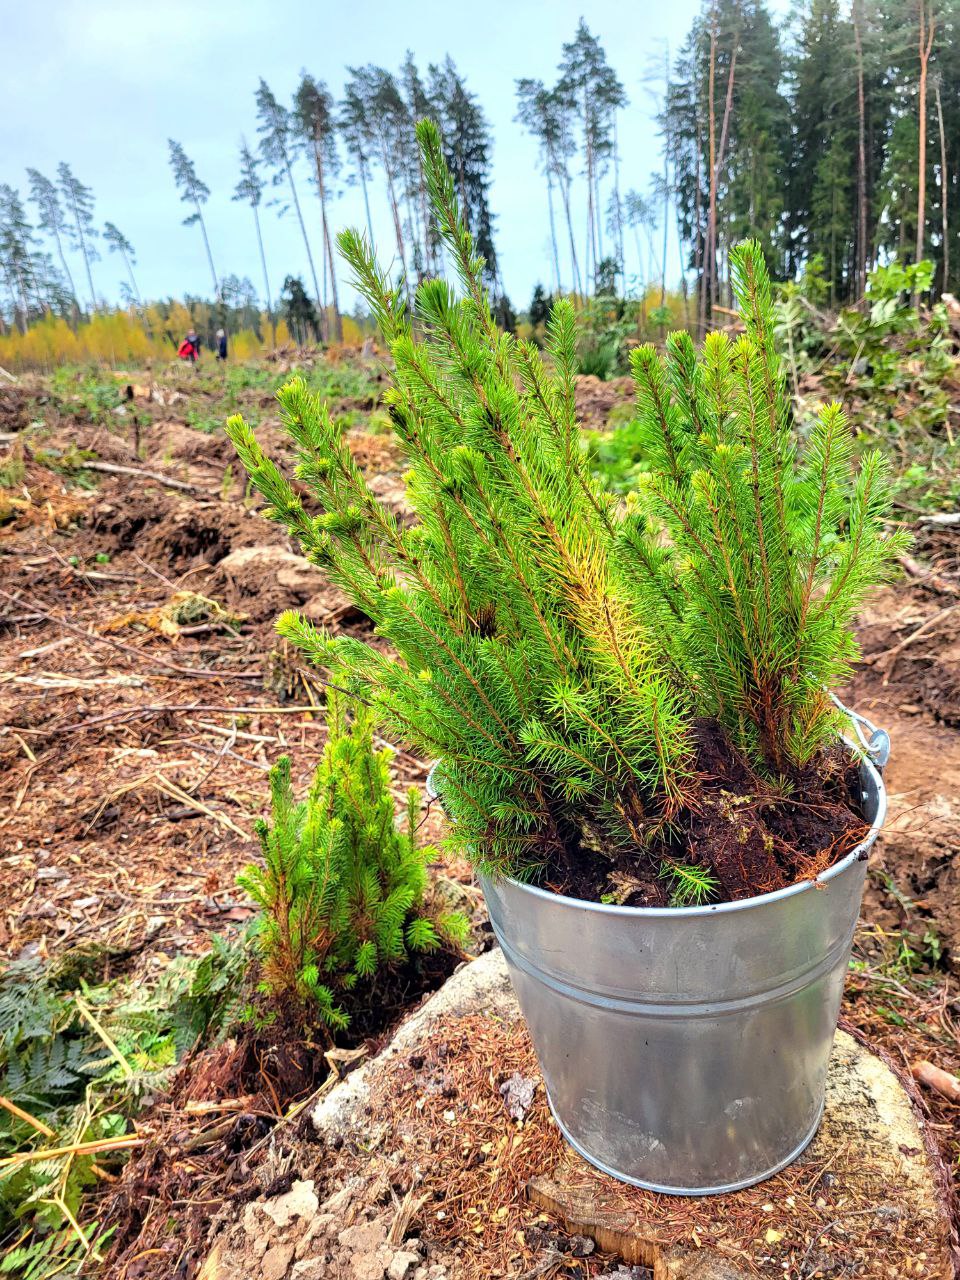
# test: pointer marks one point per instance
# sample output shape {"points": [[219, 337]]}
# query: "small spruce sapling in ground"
{"points": [[627, 697], [341, 888]]}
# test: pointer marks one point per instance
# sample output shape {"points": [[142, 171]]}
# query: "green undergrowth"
{"points": [[81, 1057], [891, 364]]}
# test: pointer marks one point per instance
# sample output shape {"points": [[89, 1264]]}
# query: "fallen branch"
{"points": [[942, 518], [72, 1149], [940, 1081], [115, 469], [926, 577]]}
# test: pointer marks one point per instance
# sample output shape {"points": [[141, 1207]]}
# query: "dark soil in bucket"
{"points": [[750, 835]]}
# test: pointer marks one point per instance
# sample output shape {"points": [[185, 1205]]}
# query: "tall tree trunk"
{"points": [[206, 245], [366, 198], [266, 277], [616, 196], [395, 210], [666, 176], [575, 266], [553, 233], [133, 279], [85, 252], [706, 283], [66, 269], [303, 229], [591, 262], [925, 42], [327, 242], [860, 270], [699, 237], [944, 187]]}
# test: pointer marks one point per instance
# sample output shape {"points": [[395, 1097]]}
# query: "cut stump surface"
{"points": [[427, 1117]]}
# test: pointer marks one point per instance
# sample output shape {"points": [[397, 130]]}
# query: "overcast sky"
{"points": [[102, 84]]}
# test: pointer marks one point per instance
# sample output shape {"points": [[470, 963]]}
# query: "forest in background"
{"points": [[832, 136]]}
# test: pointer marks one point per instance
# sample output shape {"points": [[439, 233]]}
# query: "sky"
{"points": [[103, 84]]}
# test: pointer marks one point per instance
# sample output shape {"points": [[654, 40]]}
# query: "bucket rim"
{"points": [[613, 909]]}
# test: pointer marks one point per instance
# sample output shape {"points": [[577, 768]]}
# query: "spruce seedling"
{"points": [[342, 885]]}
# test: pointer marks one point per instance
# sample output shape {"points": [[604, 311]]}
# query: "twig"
{"points": [[891, 654], [89, 1016], [935, 1078], [137, 653], [25, 1115]]}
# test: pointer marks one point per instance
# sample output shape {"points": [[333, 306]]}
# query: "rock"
{"points": [[276, 1261], [401, 1264], [249, 567], [364, 1237], [299, 1202], [370, 1266], [310, 1269]]}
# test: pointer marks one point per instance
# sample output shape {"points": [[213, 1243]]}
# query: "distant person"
{"points": [[189, 348], [221, 345]]}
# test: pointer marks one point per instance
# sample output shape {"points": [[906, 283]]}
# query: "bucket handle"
{"points": [[877, 745]]}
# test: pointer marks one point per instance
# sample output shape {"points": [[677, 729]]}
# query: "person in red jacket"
{"points": [[189, 348]]}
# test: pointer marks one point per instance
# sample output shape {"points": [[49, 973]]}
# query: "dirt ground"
{"points": [[144, 695]]}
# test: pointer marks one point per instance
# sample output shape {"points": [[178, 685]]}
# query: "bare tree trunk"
{"points": [[706, 285], [395, 210], [699, 244], [206, 245], [666, 174], [266, 277], [553, 232], [327, 242], [616, 197], [944, 188], [860, 269], [591, 263], [133, 278], [86, 255], [366, 198], [303, 229], [66, 269], [565, 192], [925, 41]]}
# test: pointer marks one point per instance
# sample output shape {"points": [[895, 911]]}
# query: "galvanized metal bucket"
{"points": [[685, 1049]]}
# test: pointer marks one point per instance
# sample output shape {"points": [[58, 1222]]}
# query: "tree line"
{"points": [[831, 136]]}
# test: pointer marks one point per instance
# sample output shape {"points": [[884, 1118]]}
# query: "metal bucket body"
{"points": [[685, 1049]]}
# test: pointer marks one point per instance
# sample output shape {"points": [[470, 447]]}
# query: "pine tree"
{"points": [[18, 255], [78, 201], [341, 889], [46, 198], [822, 189], [118, 243], [555, 651], [250, 189], [591, 87], [298, 311], [276, 146], [466, 148], [314, 117], [387, 118], [195, 192]]}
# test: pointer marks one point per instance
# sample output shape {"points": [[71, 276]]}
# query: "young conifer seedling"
{"points": [[341, 888], [625, 702]]}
